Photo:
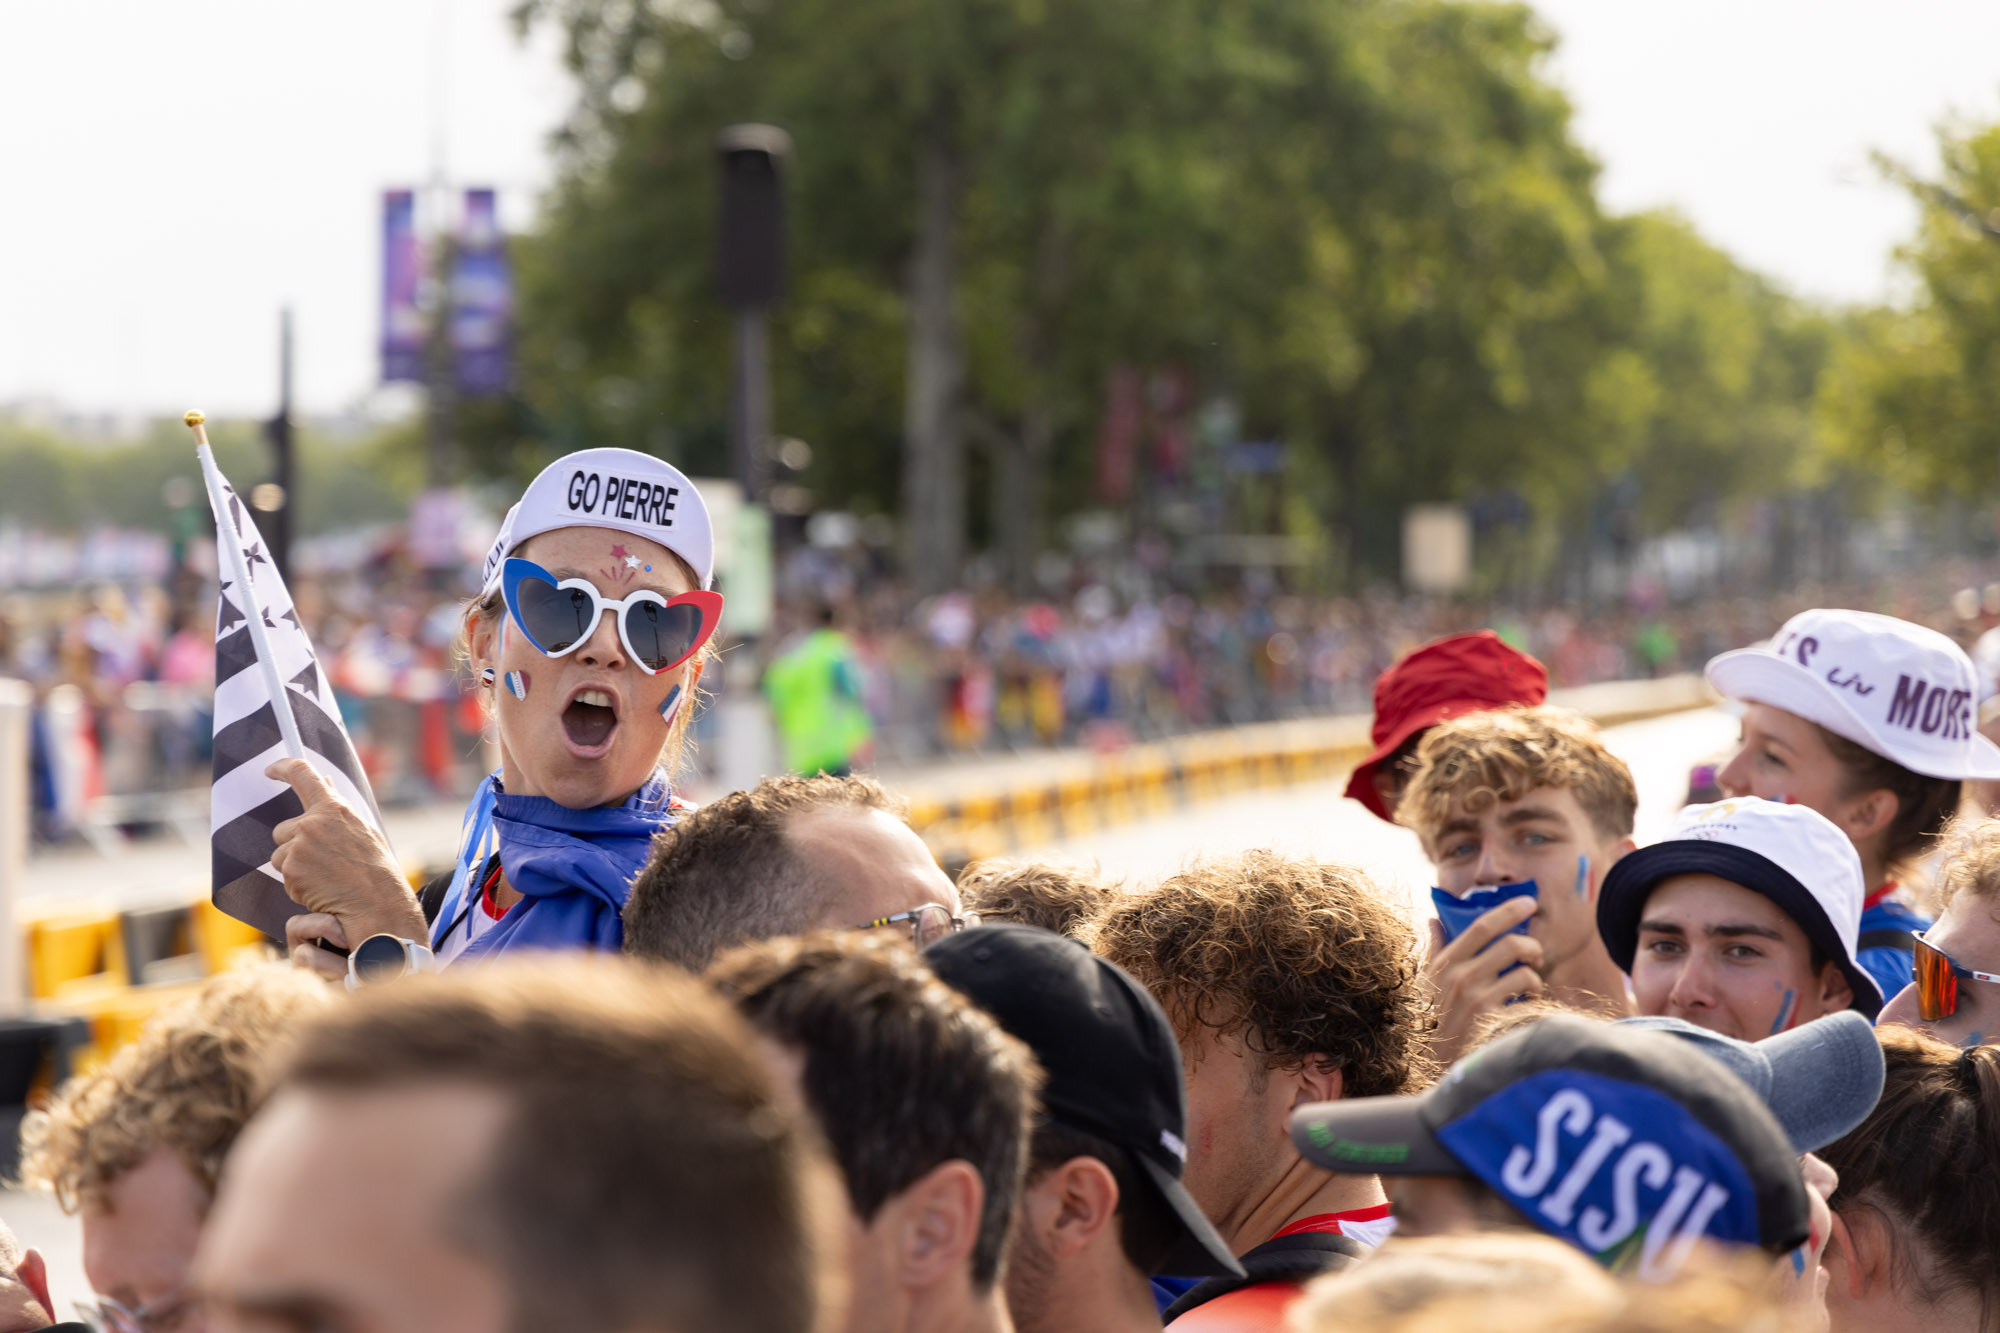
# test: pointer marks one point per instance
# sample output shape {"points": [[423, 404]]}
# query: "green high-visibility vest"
{"points": [[815, 692]]}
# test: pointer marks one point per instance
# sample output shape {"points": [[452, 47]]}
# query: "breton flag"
{"points": [[272, 701]]}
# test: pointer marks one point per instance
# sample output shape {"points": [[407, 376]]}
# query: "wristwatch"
{"points": [[381, 958]]}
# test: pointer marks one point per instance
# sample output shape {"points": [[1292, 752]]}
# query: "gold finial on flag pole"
{"points": [[195, 416]]}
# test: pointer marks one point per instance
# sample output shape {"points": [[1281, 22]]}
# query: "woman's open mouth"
{"points": [[589, 723]]}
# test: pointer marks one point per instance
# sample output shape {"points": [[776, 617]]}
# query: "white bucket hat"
{"points": [[1791, 854], [620, 489], [1905, 692]]}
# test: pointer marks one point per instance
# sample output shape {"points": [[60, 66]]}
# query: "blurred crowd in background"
{"points": [[123, 672]]}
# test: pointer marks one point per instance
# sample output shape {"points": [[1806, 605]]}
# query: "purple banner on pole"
{"points": [[404, 325], [482, 300]]}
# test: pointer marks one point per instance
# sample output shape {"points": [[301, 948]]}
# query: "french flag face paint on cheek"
{"points": [[1786, 1011], [517, 684], [670, 705]]}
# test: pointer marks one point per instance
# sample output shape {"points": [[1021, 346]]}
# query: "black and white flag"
{"points": [[244, 805]]}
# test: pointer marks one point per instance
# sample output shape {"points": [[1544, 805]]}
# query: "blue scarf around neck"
{"points": [[573, 868]]}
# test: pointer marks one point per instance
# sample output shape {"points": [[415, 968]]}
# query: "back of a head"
{"points": [[1304, 959], [187, 1084], [1056, 898], [726, 874], [649, 1172], [1484, 758], [903, 1073], [1718, 1293], [1926, 1165], [1407, 1275]]}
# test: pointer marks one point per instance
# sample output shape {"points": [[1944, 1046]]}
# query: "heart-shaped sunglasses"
{"points": [[556, 615]]}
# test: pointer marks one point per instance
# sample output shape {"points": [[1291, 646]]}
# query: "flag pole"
{"points": [[231, 553]]}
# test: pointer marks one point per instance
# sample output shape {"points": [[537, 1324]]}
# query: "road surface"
{"points": [[1316, 820]]}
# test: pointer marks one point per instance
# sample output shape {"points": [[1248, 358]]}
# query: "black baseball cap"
{"points": [[1629, 1144], [1111, 1064]]}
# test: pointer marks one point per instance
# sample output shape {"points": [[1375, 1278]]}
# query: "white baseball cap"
{"points": [[1905, 692], [1791, 854], [621, 489]]}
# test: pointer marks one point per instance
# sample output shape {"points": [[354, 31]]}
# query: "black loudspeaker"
{"points": [[750, 244]]}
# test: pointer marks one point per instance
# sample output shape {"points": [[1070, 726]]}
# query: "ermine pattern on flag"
{"points": [[245, 805]]}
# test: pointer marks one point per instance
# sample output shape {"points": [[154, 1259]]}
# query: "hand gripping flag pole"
{"points": [[271, 699], [220, 497]]}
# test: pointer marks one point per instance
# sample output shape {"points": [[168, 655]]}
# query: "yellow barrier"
{"points": [[66, 947], [1151, 780]]}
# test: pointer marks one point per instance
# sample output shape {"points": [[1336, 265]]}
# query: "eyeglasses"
{"points": [[558, 614], [105, 1315], [1937, 980], [928, 924]]}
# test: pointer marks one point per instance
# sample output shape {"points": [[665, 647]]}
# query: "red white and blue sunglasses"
{"points": [[556, 615], [1937, 977]]}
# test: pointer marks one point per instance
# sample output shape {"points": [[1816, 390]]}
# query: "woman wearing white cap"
{"points": [[587, 637], [1871, 721]]}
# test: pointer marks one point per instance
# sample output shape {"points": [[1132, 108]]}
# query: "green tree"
{"points": [[1914, 393], [1365, 222]]}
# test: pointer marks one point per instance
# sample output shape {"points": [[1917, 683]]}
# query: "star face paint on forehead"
{"points": [[624, 567]]}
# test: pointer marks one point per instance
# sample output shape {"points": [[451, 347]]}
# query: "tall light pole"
{"points": [[279, 430], [750, 278]]}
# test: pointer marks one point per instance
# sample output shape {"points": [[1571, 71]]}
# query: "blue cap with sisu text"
{"points": [[1630, 1144]]}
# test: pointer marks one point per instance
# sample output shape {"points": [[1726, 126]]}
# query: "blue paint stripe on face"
{"points": [[517, 684], [1783, 1021], [670, 704]]}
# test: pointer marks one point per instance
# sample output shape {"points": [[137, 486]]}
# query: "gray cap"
{"points": [[1820, 1080]]}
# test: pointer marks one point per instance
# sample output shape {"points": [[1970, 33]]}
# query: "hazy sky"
{"points": [[176, 170]]}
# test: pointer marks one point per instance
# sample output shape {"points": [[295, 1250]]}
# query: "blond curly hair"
{"points": [[1034, 893], [189, 1083], [1306, 960], [1971, 862], [1481, 759]]}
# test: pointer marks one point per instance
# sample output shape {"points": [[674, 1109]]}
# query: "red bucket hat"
{"points": [[1466, 673]]}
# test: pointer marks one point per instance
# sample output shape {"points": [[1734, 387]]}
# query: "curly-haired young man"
{"points": [[1288, 982], [1505, 798], [136, 1145]]}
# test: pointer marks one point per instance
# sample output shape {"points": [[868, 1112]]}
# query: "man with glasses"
{"points": [[1956, 993], [788, 856]]}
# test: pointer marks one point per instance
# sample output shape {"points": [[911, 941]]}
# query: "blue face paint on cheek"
{"points": [[1799, 1262], [1583, 877], [1783, 1022], [517, 684], [670, 705]]}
